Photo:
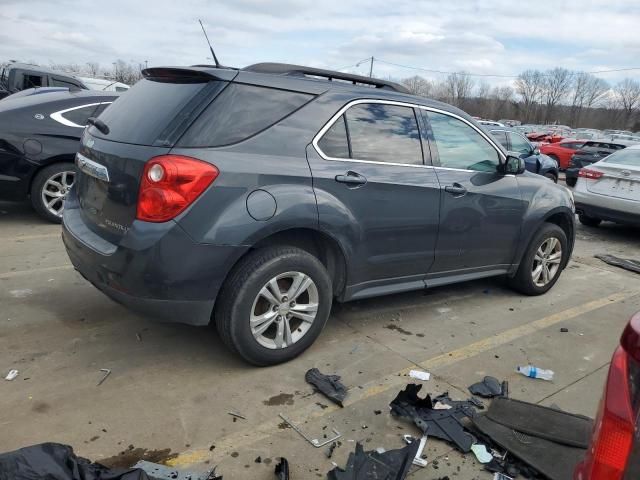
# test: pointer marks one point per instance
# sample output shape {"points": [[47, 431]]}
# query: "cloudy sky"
{"points": [[500, 37]]}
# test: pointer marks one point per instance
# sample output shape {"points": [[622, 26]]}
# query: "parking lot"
{"points": [[172, 386]]}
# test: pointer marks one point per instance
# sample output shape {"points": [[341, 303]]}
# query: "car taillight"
{"points": [[614, 427], [170, 183], [588, 173]]}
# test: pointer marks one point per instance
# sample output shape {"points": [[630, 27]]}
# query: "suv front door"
{"points": [[378, 194], [480, 209]]}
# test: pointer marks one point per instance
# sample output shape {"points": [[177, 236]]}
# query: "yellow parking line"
{"points": [[388, 382], [19, 273]]}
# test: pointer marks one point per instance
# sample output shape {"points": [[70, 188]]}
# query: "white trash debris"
{"points": [[481, 453], [418, 460], [441, 406], [535, 372], [11, 375], [420, 375]]}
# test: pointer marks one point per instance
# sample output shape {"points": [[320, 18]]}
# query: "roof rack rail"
{"points": [[299, 70]]}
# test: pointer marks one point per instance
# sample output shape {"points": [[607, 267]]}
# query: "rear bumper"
{"points": [[156, 269], [608, 214]]}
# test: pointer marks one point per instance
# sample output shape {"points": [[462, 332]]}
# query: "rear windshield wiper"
{"points": [[99, 124]]}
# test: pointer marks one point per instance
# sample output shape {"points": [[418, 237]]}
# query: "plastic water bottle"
{"points": [[534, 372]]}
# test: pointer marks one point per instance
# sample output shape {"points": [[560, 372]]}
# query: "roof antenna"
{"points": [[215, 59]]}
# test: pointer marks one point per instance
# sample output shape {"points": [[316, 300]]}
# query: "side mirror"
{"points": [[536, 151], [513, 165]]}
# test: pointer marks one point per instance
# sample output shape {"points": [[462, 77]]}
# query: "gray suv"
{"points": [[256, 197]]}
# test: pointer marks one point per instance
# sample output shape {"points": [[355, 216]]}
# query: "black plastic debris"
{"points": [[282, 469], [445, 424], [549, 441], [389, 465], [54, 461], [488, 388], [626, 263], [329, 385], [157, 471]]}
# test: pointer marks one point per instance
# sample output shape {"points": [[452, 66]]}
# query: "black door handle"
{"points": [[352, 178], [456, 189]]}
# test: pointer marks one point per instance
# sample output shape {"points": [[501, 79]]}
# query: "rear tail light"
{"points": [[170, 183], [614, 428], [588, 173]]}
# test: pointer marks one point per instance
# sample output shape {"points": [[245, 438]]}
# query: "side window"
{"points": [[384, 133], [460, 146], [30, 81], [519, 144], [99, 109], [501, 136], [56, 82], [75, 118], [239, 112], [334, 142]]}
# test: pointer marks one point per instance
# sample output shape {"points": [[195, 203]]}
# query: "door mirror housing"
{"points": [[513, 165]]}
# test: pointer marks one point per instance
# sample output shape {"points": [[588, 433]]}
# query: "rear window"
{"points": [[79, 116], [239, 112], [628, 156], [149, 107]]}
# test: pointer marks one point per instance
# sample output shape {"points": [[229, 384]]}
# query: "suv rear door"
{"points": [[377, 190], [480, 209]]}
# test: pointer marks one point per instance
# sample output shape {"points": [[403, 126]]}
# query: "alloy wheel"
{"points": [[284, 310], [546, 262], [55, 190]]}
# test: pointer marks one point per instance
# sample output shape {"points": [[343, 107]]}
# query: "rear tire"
{"points": [[49, 189], [589, 221], [571, 182], [524, 279], [244, 302]]}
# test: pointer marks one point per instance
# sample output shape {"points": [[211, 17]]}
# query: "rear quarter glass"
{"points": [[146, 110]]}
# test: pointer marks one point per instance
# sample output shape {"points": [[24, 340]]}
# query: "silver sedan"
{"points": [[610, 189]]}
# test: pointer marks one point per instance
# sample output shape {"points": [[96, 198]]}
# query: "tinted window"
{"points": [[30, 81], [628, 156], [79, 116], [239, 112], [501, 137], [54, 82], [460, 146], [148, 109], [519, 144], [384, 133], [334, 142], [99, 109]]}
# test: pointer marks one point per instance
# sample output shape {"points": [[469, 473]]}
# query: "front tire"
{"points": [[542, 262], [49, 189], [274, 305], [589, 221]]}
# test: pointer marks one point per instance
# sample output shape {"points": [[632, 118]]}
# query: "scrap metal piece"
{"points": [[237, 415], [417, 460], [313, 441], [156, 471], [329, 385], [107, 372]]}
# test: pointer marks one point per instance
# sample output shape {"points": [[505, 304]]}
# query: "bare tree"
{"points": [[628, 94], [556, 86], [418, 86], [92, 69], [459, 87], [587, 90], [501, 101], [484, 89], [529, 85]]}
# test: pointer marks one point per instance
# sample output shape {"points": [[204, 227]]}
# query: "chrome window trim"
{"points": [[340, 112], [57, 116]]}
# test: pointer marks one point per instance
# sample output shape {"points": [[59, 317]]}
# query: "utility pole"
{"points": [[371, 68], [146, 64]]}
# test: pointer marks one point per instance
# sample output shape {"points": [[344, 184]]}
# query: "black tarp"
{"points": [[54, 461]]}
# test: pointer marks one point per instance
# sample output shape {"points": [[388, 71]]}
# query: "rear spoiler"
{"points": [[196, 74]]}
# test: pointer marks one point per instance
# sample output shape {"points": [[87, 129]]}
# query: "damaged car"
{"points": [[253, 198]]}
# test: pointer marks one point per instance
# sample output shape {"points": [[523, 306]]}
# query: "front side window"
{"points": [[460, 146], [384, 133], [519, 144], [31, 81]]}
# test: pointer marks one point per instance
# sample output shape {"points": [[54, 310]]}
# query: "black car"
{"points": [[39, 137], [15, 77], [255, 197], [535, 161], [591, 152]]}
